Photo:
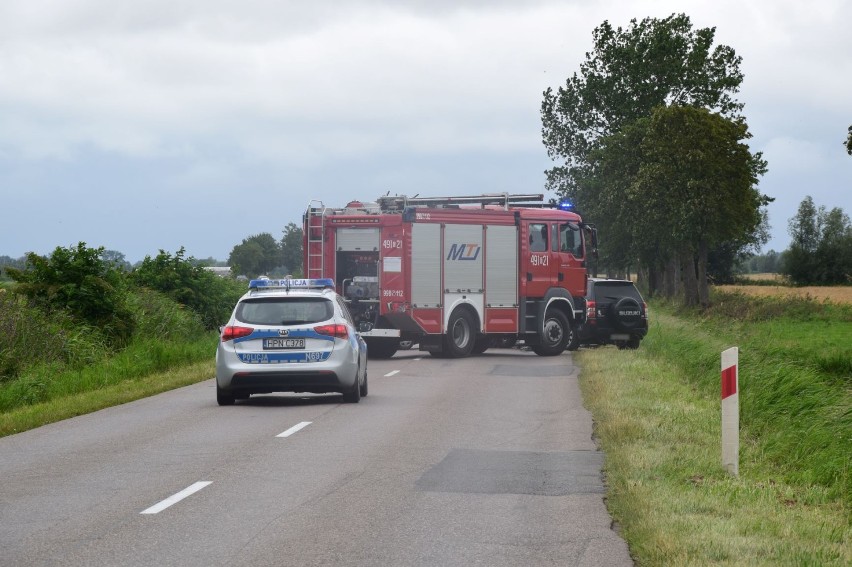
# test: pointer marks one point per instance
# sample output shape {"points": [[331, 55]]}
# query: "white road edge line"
{"points": [[171, 500], [294, 429], [391, 373]]}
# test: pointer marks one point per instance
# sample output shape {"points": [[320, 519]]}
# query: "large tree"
{"points": [[628, 73], [630, 138], [849, 142], [698, 173]]}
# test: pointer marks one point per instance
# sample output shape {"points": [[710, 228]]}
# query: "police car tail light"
{"points": [[232, 332], [337, 330], [590, 310]]}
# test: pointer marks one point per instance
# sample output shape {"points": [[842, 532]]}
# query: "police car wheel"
{"points": [[353, 395], [364, 388], [223, 397]]}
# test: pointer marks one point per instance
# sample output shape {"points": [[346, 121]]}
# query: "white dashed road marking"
{"points": [[392, 373], [294, 429], [171, 500]]}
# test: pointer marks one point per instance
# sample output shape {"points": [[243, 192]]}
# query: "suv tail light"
{"points": [[644, 310], [232, 332], [337, 330], [590, 310]]}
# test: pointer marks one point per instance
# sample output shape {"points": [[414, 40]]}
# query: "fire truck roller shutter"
{"points": [[501, 266], [358, 239], [426, 265]]}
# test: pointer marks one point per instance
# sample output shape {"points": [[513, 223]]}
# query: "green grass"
{"points": [[657, 417], [51, 392], [35, 415]]}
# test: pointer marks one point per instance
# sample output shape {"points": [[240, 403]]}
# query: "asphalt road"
{"points": [[481, 461]]}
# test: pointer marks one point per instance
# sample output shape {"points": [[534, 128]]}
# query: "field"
{"points": [[764, 288], [657, 417]]}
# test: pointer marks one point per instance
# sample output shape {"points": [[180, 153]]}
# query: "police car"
{"points": [[291, 335]]}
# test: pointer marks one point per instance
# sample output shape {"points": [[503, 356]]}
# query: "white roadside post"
{"points": [[731, 411]]}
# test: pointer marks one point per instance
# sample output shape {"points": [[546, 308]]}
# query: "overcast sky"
{"points": [[141, 125]]}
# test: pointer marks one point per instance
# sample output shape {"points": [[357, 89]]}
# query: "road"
{"points": [[487, 460]]}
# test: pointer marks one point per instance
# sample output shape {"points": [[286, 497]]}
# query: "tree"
{"points": [[849, 142], [630, 72], [628, 129], [116, 259], [821, 247], [256, 255], [291, 248]]}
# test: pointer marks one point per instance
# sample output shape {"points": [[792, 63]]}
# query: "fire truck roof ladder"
{"points": [[316, 235], [400, 202]]}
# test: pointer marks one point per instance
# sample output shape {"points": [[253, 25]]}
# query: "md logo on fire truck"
{"points": [[464, 252]]}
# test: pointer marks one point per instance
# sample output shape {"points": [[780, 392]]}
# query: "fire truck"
{"points": [[455, 275]]}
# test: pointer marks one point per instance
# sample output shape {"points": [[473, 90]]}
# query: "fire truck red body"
{"points": [[454, 274]]}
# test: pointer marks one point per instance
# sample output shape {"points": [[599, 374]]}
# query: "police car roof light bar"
{"points": [[288, 284]]}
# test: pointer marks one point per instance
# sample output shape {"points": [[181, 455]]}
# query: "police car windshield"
{"points": [[284, 310]]}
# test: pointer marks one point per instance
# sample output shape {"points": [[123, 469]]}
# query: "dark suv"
{"points": [[615, 314]]}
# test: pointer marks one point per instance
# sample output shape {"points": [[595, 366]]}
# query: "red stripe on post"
{"points": [[729, 381]]}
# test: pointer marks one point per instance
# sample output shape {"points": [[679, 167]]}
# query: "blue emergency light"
{"points": [[265, 283], [565, 205]]}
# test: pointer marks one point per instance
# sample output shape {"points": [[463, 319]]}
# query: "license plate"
{"points": [[282, 343], [619, 337]]}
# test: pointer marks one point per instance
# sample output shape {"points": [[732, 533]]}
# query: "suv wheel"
{"points": [[626, 314], [573, 339], [632, 344]]}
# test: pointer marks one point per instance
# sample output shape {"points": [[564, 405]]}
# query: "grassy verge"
{"points": [[48, 393], [657, 416]]}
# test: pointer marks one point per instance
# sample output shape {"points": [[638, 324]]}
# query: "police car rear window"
{"points": [[284, 310]]}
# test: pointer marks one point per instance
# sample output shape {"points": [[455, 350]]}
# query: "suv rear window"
{"points": [[615, 290], [284, 310]]}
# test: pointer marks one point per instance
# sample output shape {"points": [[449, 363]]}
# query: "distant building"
{"points": [[221, 271]]}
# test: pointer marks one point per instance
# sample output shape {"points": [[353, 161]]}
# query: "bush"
{"points": [[79, 281], [191, 285]]}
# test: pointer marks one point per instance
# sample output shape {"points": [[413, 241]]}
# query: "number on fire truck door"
{"points": [[538, 272]]}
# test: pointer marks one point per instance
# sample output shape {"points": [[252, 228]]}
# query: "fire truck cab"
{"points": [[456, 275]]}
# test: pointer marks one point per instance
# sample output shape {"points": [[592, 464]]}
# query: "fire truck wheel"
{"points": [[481, 344], [458, 342], [556, 334], [381, 348]]}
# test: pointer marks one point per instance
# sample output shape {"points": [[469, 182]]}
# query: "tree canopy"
{"points": [[256, 255], [291, 249], [821, 247], [652, 145], [652, 63]]}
